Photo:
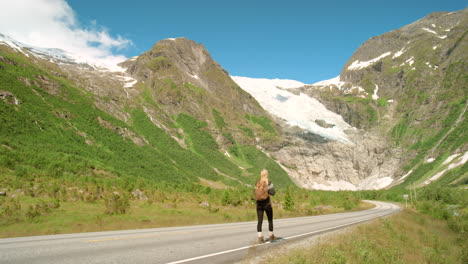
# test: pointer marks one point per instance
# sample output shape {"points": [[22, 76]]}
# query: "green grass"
{"points": [[264, 122], [247, 131], [219, 121], [79, 205], [204, 145], [408, 237], [64, 135], [159, 63]]}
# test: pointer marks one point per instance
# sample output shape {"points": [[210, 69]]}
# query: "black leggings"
{"points": [[269, 212]]}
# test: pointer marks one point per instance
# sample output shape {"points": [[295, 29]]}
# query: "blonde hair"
{"points": [[264, 176]]}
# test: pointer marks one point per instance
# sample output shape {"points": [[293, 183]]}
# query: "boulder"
{"points": [[139, 195]]}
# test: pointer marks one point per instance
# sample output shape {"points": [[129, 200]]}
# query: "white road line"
{"points": [[286, 238]]}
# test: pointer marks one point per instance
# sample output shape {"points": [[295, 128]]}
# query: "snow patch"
{"points": [[128, 81], [398, 53], [462, 160], [430, 160], [435, 47], [430, 31], [357, 65], [433, 25], [334, 186], [298, 110], [375, 183], [406, 175], [449, 159], [194, 76], [130, 84], [431, 66], [375, 96], [390, 101], [435, 33], [336, 82], [13, 45], [409, 61]]}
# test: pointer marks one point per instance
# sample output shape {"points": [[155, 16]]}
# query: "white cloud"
{"points": [[53, 24]]}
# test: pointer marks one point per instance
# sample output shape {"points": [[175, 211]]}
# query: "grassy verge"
{"points": [[54, 207], [407, 237]]}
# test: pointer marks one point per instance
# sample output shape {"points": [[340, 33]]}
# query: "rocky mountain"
{"points": [[319, 149], [170, 115], [395, 115], [405, 93]]}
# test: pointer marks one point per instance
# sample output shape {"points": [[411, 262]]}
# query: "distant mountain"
{"points": [[394, 116], [405, 92], [170, 115]]}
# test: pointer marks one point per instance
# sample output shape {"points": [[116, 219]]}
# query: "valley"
{"points": [[169, 138]]}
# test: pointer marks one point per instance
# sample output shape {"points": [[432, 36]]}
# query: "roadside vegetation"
{"points": [[39, 206], [68, 166], [406, 237], [432, 229]]}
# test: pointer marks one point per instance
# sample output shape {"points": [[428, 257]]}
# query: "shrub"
{"points": [[382, 102], [219, 121], [32, 212], [225, 199], [10, 210], [288, 200], [116, 203]]}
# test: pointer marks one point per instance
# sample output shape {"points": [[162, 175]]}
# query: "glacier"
{"points": [[297, 110]]}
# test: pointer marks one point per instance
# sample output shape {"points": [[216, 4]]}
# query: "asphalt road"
{"points": [[220, 243]]}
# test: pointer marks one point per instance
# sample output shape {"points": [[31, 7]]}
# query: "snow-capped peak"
{"points": [[61, 56]]}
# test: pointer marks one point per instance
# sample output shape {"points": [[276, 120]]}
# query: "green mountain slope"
{"points": [[409, 86], [53, 127]]}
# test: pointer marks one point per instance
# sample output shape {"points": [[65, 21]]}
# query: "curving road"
{"points": [[220, 243]]}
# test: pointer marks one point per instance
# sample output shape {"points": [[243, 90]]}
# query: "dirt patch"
{"points": [[212, 184]]}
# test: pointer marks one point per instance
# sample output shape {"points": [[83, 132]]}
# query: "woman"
{"points": [[265, 206]]}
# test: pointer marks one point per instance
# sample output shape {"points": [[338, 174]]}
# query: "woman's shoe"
{"points": [[261, 240], [273, 238]]}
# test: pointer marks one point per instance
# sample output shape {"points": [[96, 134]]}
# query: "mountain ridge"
{"points": [[374, 93], [143, 133], [178, 92]]}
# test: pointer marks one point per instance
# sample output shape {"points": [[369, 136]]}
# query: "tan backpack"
{"points": [[261, 191]]}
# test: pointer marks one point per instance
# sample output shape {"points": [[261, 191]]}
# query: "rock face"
{"points": [[171, 114], [369, 163], [407, 64], [188, 64], [8, 97], [181, 77], [402, 91], [399, 100]]}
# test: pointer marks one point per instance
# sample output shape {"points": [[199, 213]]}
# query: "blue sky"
{"points": [[308, 41]]}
